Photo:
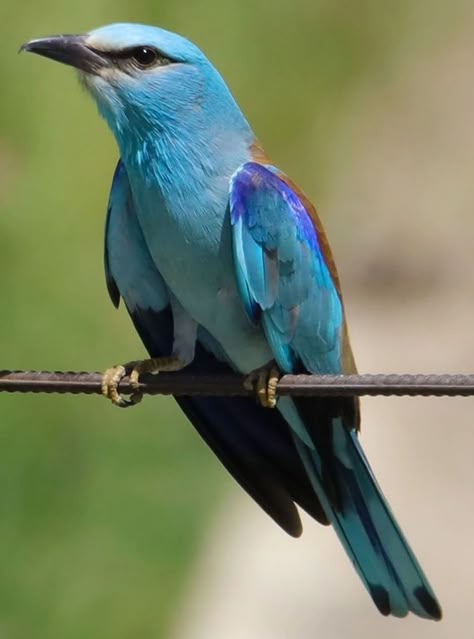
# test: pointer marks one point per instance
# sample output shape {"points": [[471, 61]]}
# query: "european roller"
{"points": [[223, 265]]}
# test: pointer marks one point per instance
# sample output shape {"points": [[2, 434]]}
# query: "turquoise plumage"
{"points": [[223, 265]]}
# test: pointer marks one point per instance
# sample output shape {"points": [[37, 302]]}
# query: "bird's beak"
{"points": [[68, 49]]}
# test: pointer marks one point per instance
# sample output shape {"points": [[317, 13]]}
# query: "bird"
{"points": [[224, 266]]}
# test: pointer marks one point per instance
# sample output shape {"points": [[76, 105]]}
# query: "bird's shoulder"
{"points": [[259, 156]]}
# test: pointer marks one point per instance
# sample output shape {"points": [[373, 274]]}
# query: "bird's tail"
{"points": [[354, 504]]}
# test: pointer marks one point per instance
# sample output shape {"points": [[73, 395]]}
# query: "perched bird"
{"points": [[223, 265]]}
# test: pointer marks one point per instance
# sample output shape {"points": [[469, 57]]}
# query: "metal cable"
{"points": [[232, 385]]}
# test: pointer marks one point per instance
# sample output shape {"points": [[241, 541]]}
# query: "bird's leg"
{"points": [[263, 381], [184, 342], [113, 376]]}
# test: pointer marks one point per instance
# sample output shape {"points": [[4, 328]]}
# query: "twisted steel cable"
{"points": [[232, 385]]}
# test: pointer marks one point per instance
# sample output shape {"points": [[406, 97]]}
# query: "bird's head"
{"points": [[142, 77]]}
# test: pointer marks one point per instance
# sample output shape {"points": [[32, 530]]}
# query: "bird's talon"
{"points": [[272, 383], [110, 383], [263, 382], [134, 378], [113, 376]]}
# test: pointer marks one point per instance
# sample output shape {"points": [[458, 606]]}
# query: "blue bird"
{"points": [[223, 265]]}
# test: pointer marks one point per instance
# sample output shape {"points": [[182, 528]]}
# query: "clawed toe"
{"points": [[263, 381], [113, 376], [110, 383]]}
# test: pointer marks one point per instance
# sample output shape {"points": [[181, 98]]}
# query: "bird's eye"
{"points": [[144, 56]]}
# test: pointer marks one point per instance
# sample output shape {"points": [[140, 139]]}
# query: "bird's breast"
{"points": [[189, 238]]}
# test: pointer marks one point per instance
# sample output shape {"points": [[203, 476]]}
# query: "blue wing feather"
{"points": [[126, 255], [281, 271], [302, 316]]}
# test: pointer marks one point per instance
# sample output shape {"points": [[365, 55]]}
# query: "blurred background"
{"points": [[121, 523]]}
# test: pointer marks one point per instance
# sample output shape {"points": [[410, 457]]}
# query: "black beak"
{"points": [[68, 49]]}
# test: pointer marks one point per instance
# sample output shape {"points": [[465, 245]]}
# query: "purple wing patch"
{"points": [[281, 272]]}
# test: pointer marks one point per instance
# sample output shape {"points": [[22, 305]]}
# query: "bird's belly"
{"points": [[196, 264]]}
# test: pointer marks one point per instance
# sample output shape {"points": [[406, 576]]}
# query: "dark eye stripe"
{"points": [[129, 53]]}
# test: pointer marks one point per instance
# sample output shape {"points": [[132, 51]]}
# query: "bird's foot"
{"points": [[263, 381], [113, 376]]}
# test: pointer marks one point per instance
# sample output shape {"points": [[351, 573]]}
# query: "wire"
{"points": [[232, 385]]}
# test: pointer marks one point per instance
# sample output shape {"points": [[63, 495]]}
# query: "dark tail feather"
{"points": [[367, 528]]}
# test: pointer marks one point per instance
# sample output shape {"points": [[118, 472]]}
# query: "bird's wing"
{"points": [[254, 444], [288, 282], [129, 270], [283, 272]]}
